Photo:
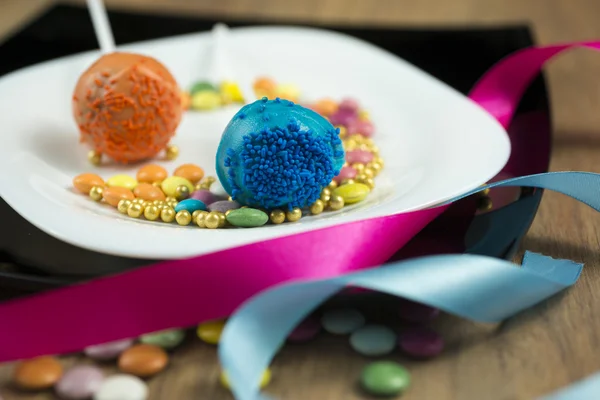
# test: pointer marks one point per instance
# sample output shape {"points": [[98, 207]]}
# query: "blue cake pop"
{"points": [[276, 154]]}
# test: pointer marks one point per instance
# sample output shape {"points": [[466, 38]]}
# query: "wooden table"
{"points": [[531, 354]]}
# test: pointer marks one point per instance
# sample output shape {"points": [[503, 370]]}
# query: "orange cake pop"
{"points": [[127, 106]]}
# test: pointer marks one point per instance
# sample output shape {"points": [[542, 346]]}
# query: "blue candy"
{"points": [[274, 154], [190, 205]]}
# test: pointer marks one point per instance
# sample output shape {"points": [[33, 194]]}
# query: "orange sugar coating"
{"points": [[127, 106]]}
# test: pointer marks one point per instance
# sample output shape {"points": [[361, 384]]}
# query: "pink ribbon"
{"points": [[185, 292]]}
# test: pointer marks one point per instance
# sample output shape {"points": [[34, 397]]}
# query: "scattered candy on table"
{"points": [[143, 360], [108, 351], [373, 340], [385, 378], [167, 339], [265, 379], [210, 332], [342, 321], [122, 387], [38, 373], [79, 382], [421, 342]]}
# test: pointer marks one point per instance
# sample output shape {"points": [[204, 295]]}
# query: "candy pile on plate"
{"points": [[135, 361], [337, 169], [206, 96]]}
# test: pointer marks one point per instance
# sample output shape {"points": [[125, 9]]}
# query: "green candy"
{"points": [[202, 86], [247, 217], [165, 339], [385, 378]]}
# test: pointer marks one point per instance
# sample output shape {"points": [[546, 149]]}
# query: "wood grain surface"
{"points": [[531, 354]]}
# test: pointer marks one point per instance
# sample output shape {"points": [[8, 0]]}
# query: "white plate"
{"points": [[435, 142]]}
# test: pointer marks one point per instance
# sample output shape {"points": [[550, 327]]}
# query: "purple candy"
{"points": [[79, 383], [205, 196], [107, 351], [308, 329], [359, 156], [343, 117], [416, 312], [421, 343], [224, 205]]}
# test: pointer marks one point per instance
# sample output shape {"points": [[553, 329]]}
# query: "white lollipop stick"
{"points": [[101, 26], [220, 66]]}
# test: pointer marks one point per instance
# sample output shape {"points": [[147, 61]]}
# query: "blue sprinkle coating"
{"points": [[276, 154]]}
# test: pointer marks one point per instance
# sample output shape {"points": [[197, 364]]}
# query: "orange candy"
{"points": [[191, 172], [147, 191], [325, 107], [143, 360], [38, 373], [112, 195], [85, 182], [151, 173], [186, 100], [264, 87], [127, 106]]}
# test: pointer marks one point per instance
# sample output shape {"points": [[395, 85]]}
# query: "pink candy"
{"points": [[358, 127], [421, 343], [343, 117], [345, 173], [349, 104], [358, 156], [206, 196]]}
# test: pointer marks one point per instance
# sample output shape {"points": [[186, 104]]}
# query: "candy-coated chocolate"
{"points": [[167, 339], [264, 87], [202, 86], [113, 99], [224, 206], [385, 378], [352, 192], [206, 196], [190, 205], [421, 342], [247, 217], [37, 373], [231, 92], [79, 382], [122, 387], [124, 181], [305, 331], [416, 312], [151, 173], [169, 185], [349, 104], [210, 332], [373, 340], [346, 173], [359, 156], [206, 100], [342, 321], [343, 117], [108, 351], [112, 195], [85, 182], [186, 100], [265, 378], [276, 154], [191, 172], [287, 91], [147, 191], [361, 127], [143, 360], [325, 107]]}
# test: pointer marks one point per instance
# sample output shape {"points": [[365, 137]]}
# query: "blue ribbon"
{"points": [[471, 286]]}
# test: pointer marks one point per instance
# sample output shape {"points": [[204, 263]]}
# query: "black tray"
{"points": [[31, 260]]}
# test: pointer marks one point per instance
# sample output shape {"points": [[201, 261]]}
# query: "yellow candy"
{"points": [[124, 181], [288, 92], [231, 92], [264, 379], [210, 332], [169, 185], [352, 192], [206, 100]]}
